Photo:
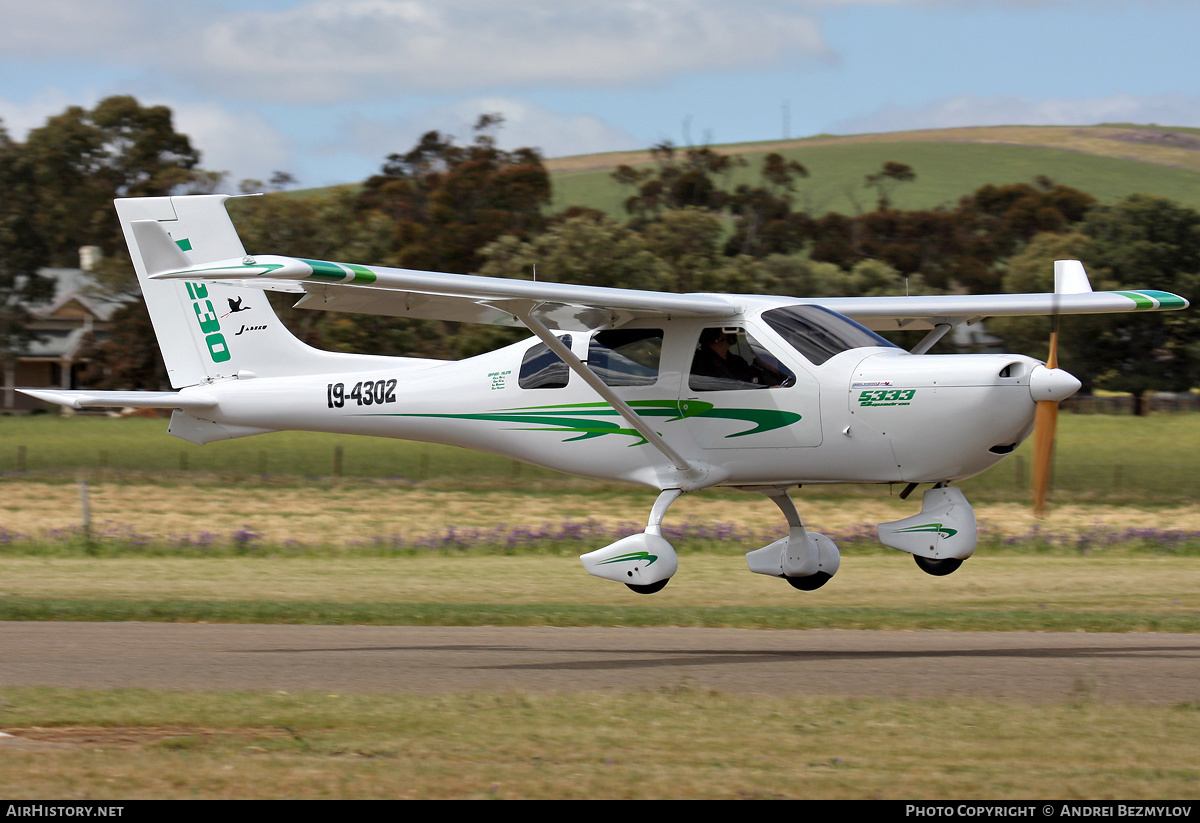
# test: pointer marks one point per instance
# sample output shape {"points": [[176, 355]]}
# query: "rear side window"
{"points": [[626, 357], [543, 369]]}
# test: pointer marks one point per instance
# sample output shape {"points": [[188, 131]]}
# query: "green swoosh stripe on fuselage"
{"points": [[566, 417]]}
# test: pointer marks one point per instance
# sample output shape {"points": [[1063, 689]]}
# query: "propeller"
{"points": [[1045, 424], [1050, 385]]}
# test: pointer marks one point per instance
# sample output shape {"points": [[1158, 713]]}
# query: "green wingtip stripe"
{"points": [[1165, 299], [1141, 300]]}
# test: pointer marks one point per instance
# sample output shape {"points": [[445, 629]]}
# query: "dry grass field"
{"points": [[333, 515]]}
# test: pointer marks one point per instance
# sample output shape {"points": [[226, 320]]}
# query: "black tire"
{"points": [[810, 583], [938, 568], [650, 588]]}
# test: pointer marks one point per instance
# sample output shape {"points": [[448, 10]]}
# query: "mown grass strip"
{"points": [[563, 614], [137, 743]]}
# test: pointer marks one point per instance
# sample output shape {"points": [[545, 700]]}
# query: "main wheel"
{"points": [[649, 588], [810, 583], [938, 568]]}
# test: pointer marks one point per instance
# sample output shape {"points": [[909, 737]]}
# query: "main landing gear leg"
{"points": [[941, 536], [644, 562], [807, 560]]}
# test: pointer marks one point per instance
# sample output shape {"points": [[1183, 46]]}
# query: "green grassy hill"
{"points": [[1108, 161]]}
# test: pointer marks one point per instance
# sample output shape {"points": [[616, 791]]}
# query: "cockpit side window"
{"points": [[729, 358], [543, 369], [818, 333], [626, 357]]}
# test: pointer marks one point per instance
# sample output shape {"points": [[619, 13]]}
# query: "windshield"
{"points": [[818, 333]]}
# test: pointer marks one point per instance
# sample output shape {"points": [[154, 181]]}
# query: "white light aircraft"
{"points": [[680, 392]]}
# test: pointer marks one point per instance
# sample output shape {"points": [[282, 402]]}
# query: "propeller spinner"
{"points": [[1051, 385]]}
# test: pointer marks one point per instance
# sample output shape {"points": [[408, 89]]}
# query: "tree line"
{"points": [[445, 206]]}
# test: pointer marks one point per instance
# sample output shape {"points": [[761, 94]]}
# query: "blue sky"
{"points": [[326, 89]]}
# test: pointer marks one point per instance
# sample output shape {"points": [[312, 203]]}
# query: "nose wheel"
{"points": [[649, 588], [938, 568]]}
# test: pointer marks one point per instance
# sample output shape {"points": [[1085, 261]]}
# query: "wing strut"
{"points": [[940, 329], [523, 311]]}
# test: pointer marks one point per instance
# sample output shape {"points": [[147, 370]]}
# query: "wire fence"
{"points": [[1091, 404], [1109, 455], [367, 460], [1011, 477], [1103, 480]]}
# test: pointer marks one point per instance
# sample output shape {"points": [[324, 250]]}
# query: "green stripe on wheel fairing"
{"points": [[632, 557], [938, 528]]}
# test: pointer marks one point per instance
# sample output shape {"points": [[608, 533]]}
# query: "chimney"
{"points": [[89, 257]]}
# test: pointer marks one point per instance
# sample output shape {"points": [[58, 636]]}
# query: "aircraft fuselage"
{"points": [[877, 414]]}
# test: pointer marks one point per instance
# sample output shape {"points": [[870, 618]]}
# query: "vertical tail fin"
{"points": [[206, 331]]}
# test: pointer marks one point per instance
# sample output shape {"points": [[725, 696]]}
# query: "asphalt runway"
{"points": [[1021, 666]]}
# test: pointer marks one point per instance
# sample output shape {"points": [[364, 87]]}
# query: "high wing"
{"points": [[470, 298], [926, 312], [940, 313], [430, 295]]}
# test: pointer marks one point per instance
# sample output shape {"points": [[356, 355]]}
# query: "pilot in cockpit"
{"points": [[719, 365]]}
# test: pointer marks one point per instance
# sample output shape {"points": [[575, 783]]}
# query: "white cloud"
{"points": [[328, 50], [1002, 110], [323, 51], [58, 29], [240, 143], [19, 118]]}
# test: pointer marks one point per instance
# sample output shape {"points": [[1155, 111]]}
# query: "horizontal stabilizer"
{"points": [[159, 252], [124, 399]]}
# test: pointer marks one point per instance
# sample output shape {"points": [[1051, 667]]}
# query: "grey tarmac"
{"points": [[1019, 666]]}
